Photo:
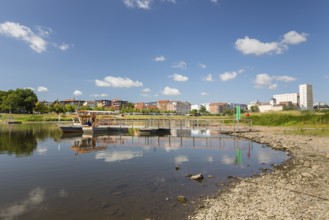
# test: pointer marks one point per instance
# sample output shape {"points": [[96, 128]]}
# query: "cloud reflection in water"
{"points": [[36, 197], [118, 155]]}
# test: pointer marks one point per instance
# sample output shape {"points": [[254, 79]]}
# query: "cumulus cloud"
{"points": [[170, 91], [292, 37], [230, 75], [208, 78], [180, 65], [265, 80], [159, 59], [77, 93], [254, 46], [21, 32], [203, 93], [178, 77], [143, 4], [42, 89], [117, 82]]}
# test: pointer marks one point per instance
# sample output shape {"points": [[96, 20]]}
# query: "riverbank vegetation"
{"points": [[285, 118]]}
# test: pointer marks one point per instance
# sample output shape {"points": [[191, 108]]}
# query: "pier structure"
{"points": [[153, 126]]}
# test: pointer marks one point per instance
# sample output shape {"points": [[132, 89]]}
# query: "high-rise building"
{"points": [[306, 97]]}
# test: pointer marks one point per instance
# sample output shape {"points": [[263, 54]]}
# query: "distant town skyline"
{"points": [[200, 51]]}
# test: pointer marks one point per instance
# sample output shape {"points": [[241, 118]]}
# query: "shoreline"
{"points": [[296, 189]]}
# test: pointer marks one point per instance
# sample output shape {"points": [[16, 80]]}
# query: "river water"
{"points": [[44, 175]]}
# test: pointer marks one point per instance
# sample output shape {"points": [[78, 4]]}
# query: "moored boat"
{"points": [[84, 122]]}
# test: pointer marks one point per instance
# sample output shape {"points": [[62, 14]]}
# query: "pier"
{"points": [[155, 126]]}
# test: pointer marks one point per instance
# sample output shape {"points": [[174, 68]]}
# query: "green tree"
{"points": [[57, 108], [41, 107], [194, 112], [203, 110], [26, 99], [254, 108]]}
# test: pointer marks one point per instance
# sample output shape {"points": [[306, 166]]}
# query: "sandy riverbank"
{"points": [[298, 189]]}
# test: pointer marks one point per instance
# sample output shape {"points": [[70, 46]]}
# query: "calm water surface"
{"points": [[44, 175]]}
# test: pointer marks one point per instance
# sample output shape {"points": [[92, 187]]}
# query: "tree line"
{"points": [[18, 101]]}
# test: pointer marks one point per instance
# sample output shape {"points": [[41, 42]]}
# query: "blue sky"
{"points": [[199, 51]]}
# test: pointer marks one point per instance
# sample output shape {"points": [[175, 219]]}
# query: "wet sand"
{"points": [[297, 189]]}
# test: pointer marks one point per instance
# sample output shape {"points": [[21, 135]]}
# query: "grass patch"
{"points": [[317, 132], [290, 119]]}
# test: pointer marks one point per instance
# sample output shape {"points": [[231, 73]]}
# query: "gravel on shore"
{"points": [[297, 189]]}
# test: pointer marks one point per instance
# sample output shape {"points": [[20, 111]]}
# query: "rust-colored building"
{"points": [[218, 107]]}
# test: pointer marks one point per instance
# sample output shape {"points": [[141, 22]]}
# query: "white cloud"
{"points": [[264, 80], [285, 78], [146, 90], [100, 95], [118, 155], [181, 159], [170, 91], [20, 32], [117, 82], [170, 1], [203, 93], [292, 37], [208, 78], [33, 89], [214, 1], [143, 4], [180, 65], [254, 46], [63, 46], [42, 89], [159, 59], [178, 77], [227, 76], [77, 93], [230, 75], [203, 66]]}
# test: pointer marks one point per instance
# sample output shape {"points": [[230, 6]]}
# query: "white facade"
{"points": [[306, 96], [269, 108], [197, 107], [287, 97]]}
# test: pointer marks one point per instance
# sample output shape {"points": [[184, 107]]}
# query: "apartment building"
{"points": [[306, 96], [292, 98]]}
